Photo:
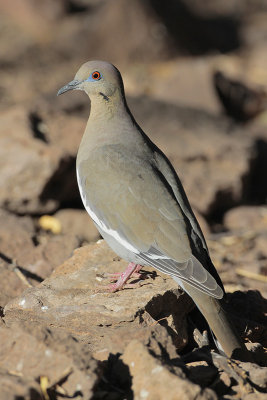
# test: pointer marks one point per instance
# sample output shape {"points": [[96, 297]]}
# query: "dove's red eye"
{"points": [[96, 75]]}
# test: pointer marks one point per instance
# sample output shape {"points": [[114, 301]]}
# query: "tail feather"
{"points": [[227, 339]]}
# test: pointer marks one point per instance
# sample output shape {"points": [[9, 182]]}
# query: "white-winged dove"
{"points": [[133, 194]]}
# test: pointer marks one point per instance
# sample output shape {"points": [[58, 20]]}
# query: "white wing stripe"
{"points": [[101, 224]]}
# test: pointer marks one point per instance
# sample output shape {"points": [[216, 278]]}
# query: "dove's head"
{"points": [[98, 79]]}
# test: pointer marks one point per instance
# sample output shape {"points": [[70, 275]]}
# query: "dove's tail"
{"points": [[220, 323]]}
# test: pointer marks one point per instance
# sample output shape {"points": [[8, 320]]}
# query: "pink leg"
{"points": [[116, 275], [123, 277]]}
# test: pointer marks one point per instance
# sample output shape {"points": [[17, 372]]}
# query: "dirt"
{"points": [[61, 334]]}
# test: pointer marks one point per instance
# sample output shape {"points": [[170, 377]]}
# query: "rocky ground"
{"points": [[62, 336]]}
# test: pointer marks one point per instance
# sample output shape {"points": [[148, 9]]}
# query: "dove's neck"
{"points": [[110, 122], [107, 109]]}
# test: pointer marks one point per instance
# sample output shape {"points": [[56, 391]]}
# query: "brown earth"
{"points": [[61, 335]]}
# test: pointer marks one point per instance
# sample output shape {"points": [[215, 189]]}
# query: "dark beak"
{"points": [[73, 85]]}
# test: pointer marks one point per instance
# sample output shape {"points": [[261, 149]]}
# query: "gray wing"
{"points": [[141, 213]]}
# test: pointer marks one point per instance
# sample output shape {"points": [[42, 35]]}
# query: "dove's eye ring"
{"points": [[96, 75]]}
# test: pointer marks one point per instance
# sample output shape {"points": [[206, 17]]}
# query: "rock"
{"points": [[35, 21], [39, 254], [27, 165], [39, 26], [133, 21], [79, 223], [246, 218], [256, 374], [68, 314], [62, 131], [69, 300], [24, 361], [16, 235], [240, 258], [254, 396], [180, 77], [36, 176], [15, 241], [12, 385], [250, 311], [154, 380], [52, 251], [35, 256], [202, 373]]}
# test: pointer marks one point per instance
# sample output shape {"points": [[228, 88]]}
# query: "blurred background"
{"points": [[196, 81], [195, 78]]}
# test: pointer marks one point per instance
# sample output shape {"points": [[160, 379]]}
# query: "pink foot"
{"points": [[132, 270], [112, 288], [116, 275]]}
